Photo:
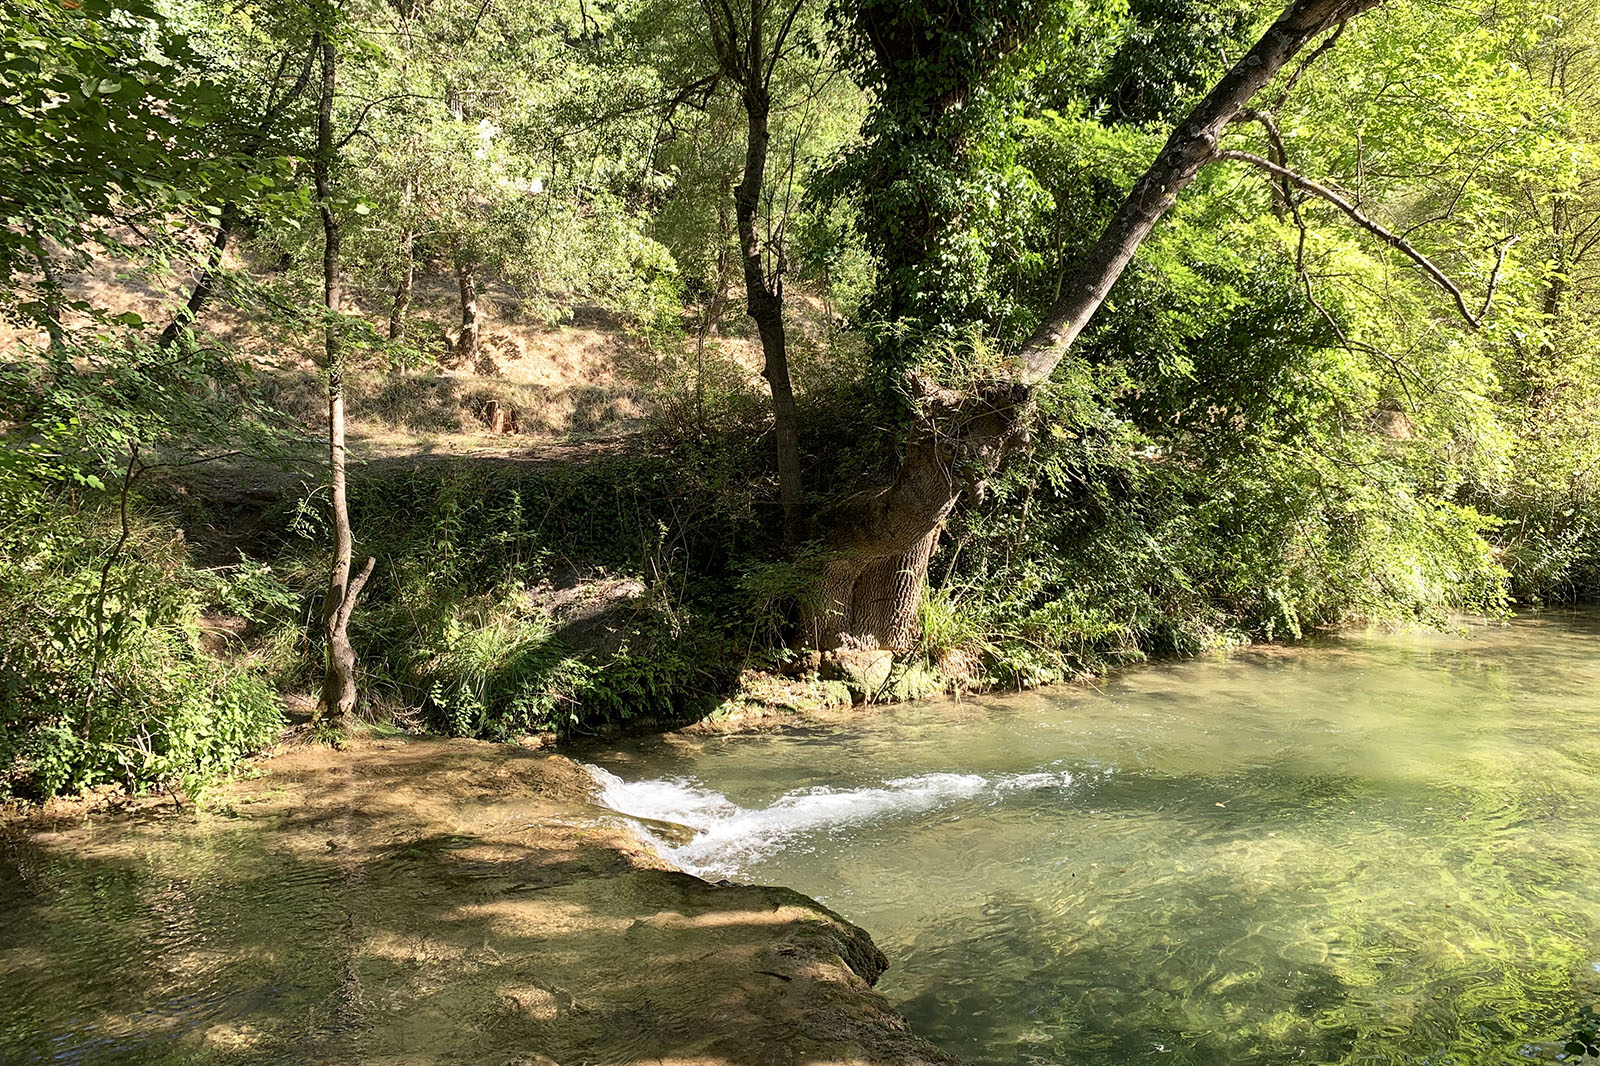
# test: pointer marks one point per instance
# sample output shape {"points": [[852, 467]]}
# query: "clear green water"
{"points": [[1381, 849]]}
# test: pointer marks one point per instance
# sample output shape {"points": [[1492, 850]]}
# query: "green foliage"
{"points": [[103, 674], [1167, 55], [563, 599], [1152, 518], [1272, 425], [113, 134], [1585, 1036], [472, 150]]}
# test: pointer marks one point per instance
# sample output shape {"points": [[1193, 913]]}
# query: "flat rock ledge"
{"points": [[489, 913]]}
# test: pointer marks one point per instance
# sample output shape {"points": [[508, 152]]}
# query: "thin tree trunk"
{"points": [[408, 268], [719, 298], [205, 283], [870, 590], [1539, 389], [1555, 292], [708, 322], [764, 295], [402, 292], [467, 342], [339, 678], [54, 296]]}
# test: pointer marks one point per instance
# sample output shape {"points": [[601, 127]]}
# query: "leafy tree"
{"points": [[339, 678], [107, 135], [951, 81]]}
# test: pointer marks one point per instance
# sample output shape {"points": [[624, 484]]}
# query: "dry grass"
{"points": [[451, 404], [586, 378]]}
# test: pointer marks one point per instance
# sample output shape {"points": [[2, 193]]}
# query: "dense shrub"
{"points": [[103, 676], [463, 621]]}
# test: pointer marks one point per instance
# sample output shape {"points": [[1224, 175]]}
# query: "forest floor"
{"points": [[486, 911]]}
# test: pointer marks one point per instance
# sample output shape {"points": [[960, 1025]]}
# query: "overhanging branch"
{"points": [[1280, 155], [1392, 239], [1192, 144]]}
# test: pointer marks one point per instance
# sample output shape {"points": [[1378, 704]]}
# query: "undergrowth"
{"points": [[528, 598], [105, 676]]}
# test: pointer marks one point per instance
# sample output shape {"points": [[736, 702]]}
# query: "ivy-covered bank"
{"points": [[633, 588]]}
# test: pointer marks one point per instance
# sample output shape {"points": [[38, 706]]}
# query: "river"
{"points": [[1380, 848]]}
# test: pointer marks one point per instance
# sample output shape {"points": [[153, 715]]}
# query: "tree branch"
{"points": [[365, 111], [274, 109], [1315, 54], [1191, 146], [1393, 240], [348, 605], [777, 46], [1280, 155]]}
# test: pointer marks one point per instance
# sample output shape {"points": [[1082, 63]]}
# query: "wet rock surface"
{"points": [[865, 672], [429, 901]]}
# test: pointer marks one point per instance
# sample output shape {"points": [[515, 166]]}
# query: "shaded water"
{"points": [[1380, 849], [108, 958]]}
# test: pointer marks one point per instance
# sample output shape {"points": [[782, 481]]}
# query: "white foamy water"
{"points": [[728, 836]]}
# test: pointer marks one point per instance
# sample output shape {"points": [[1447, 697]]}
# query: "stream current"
{"points": [[1377, 849]]}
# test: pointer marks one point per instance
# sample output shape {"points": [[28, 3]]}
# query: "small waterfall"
{"points": [[728, 836]]}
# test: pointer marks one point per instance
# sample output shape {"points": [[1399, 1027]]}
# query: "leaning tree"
{"points": [[876, 543]]}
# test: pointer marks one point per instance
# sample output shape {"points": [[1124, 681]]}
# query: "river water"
{"points": [[1377, 849]]}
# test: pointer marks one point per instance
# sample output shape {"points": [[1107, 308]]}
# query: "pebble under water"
{"points": [[1378, 849]]}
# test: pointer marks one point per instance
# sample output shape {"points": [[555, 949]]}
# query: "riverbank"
{"points": [[459, 901]]}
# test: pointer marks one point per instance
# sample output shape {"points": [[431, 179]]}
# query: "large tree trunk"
{"points": [[467, 342], [871, 586], [874, 601], [870, 590], [339, 676], [748, 62]]}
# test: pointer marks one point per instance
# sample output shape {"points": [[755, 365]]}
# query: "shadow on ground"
{"points": [[415, 902]]}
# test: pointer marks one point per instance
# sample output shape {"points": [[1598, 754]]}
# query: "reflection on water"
{"points": [[1380, 849]]}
